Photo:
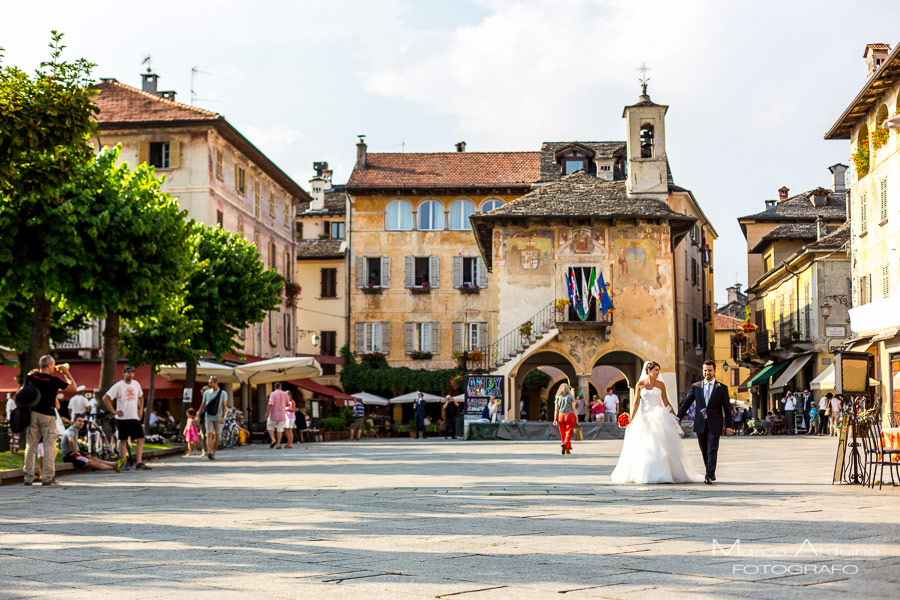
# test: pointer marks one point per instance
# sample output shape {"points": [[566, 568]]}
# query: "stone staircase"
{"points": [[513, 343]]}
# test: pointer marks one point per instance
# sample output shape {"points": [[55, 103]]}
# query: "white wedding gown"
{"points": [[653, 451]]}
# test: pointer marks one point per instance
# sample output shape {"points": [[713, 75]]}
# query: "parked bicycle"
{"points": [[99, 444], [231, 431]]}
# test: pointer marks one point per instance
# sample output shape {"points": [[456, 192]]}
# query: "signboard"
{"points": [[187, 395], [836, 331], [480, 390], [851, 372]]}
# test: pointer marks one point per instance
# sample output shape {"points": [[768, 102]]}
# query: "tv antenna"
{"points": [[402, 146], [194, 97], [146, 61]]}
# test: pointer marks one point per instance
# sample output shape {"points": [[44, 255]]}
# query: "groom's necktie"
{"points": [[706, 388]]}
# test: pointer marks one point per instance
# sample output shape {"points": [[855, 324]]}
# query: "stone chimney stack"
{"points": [[460, 146], [361, 152], [838, 177], [783, 194], [733, 292], [821, 229], [875, 55], [149, 81]]}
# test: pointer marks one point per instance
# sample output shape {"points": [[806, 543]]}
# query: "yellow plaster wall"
{"points": [[317, 314]]}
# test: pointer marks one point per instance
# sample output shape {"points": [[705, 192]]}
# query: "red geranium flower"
{"points": [[624, 421]]}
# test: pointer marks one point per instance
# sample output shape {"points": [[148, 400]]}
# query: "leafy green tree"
{"points": [[136, 249], [45, 123]]}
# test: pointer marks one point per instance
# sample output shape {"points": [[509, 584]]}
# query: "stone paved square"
{"points": [[467, 520]]}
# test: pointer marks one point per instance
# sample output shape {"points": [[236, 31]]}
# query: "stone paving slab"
{"points": [[457, 520]]}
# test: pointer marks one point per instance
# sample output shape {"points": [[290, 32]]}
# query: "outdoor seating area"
{"points": [[881, 448]]}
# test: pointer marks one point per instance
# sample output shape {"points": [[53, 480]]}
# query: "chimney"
{"points": [[875, 54], [148, 82], [168, 95], [733, 292], [838, 177], [317, 193], [783, 194], [361, 152], [821, 230], [460, 146], [770, 203]]}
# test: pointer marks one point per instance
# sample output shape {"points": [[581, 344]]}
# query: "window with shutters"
{"points": [[287, 212], [220, 218], [869, 287], [421, 337], [885, 281], [273, 336], [240, 229], [288, 267], [256, 240], [328, 348], [863, 225], [220, 164], [272, 204], [288, 333], [256, 200], [470, 272], [475, 337], [694, 272], [329, 283], [687, 266], [735, 377], [372, 340], [421, 272], [158, 155], [882, 201], [422, 276], [272, 257], [240, 179], [373, 271]]}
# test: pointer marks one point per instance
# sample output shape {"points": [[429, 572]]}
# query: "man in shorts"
{"points": [[129, 410], [359, 415], [276, 414], [71, 453], [215, 399]]}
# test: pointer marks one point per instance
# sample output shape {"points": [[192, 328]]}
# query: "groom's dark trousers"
{"points": [[709, 448], [711, 417]]}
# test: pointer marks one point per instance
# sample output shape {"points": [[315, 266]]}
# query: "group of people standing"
{"points": [[605, 410], [816, 417]]}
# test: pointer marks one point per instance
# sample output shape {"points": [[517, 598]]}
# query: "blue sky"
{"points": [[752, 87]]}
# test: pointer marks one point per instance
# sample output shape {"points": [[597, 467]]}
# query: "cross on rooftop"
{"points": [[643, 79]]}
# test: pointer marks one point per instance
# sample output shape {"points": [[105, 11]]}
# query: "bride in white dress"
{"points": [[653, 451]]}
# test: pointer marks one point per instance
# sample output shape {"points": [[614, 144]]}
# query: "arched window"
{"points": [[431, 216], [646, 140], [398, 216], [460, 212], [491, 205]]}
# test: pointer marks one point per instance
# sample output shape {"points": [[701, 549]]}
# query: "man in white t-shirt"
{"points": [[78, 405], [129, 411], [611, 401], [10, 405]]}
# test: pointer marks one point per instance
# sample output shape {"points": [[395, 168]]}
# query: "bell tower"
{"points": [[645, 123]]}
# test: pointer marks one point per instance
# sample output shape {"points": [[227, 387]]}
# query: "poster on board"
{"points": [[480, 390]]}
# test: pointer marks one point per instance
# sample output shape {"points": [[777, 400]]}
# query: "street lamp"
{"points": [[826, 309], [314, 339]]}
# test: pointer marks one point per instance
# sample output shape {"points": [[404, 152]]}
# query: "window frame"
{"points": [[400, 203], [165, 151], [436, 222], [470, 331], [371, 337], [422, 336], [368, 272], [496, 201], [342, 231], [328, 282], [467, 225]]}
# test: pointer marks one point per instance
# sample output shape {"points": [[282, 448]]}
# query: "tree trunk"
{"points": [[110, 357], [148, 406], [39, 339], [190, 378]]}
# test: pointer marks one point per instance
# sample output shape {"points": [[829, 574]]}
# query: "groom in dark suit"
{"points": [[712, 417]]}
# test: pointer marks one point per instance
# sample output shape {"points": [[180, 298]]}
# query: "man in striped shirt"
{"points": [[359, 415]]}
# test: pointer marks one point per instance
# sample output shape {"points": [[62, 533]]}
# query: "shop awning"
{"points": [[887, 334], [861, 345], [789, 373], [825, 380], [766, 374], [745, 385], [321, 390]]}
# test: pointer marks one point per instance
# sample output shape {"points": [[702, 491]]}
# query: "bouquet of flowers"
{"points": [[624, 420]]}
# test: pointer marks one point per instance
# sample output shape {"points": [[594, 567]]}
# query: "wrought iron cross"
{"points": [[643, 79]]}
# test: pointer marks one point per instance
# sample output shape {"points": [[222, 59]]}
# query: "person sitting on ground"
{"points": [[72, 455]]}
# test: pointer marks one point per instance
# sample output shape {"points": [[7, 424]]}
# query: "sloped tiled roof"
{"points": [[835, 239], [790, 231], [550, 167], [801, 207], [320, 249], [871, 95], [726, 322], [120, 103], [335, 202], [446, 170]]}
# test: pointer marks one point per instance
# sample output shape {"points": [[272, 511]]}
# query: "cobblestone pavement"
{"points": [[442, 519]]}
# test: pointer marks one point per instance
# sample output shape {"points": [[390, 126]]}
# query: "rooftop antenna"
{"points": [[402, 146], [643, 78], [146, 61], [194, 97]]}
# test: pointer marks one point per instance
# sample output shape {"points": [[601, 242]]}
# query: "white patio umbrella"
{"points": [[412, 396], [371, 399], [459, 398], [225, 373], [825, 380], [278, 369]]}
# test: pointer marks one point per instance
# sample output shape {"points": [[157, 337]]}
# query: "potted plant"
{"points": [[420, 355], [291, 292], [421, 289], [469, 288], [476, 356], [795, 335], [562, 307], [371, 288], [525, 329]]}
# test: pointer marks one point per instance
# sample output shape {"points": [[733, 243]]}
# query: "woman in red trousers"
{"points": [[564, 416]]}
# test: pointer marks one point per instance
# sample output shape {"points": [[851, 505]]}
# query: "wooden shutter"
{"points": [[435, 338], [482, 273], [409, 271], [324, 283], [360, 271], [457, 271], [409, 334], [143, 152], [360, 338], [174, 154], [237, 179], [457, 337], [434, 272], [482, 335], [385, 337], [385, 271]]}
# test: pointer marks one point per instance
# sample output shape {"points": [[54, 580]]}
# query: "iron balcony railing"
{"points": [[514, 342]]}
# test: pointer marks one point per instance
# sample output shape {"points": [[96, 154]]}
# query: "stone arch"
{"points": [[541, 358], [628, 364]]}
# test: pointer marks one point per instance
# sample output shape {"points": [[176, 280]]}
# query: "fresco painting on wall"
{"points": [[528, 256]]}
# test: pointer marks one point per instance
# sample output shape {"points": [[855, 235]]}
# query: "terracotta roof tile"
{"points": [[120, 103], [317, 249], [801, 207], [469, 170], [726, 322]]}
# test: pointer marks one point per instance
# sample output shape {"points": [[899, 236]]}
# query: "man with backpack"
{"points": [[38, 396], [212, 407], [129, 411]]}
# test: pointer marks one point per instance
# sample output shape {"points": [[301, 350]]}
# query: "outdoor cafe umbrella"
{"points": [[825, 380], [412, 396], [176, 372], [278, 369], [371, 399]]}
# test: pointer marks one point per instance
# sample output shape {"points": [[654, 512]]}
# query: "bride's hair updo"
{"points": [[650, 366]]}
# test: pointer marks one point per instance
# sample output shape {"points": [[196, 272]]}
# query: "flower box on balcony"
{"points": [[421, 289], [418, 355], [371, 289], [468, 288]]}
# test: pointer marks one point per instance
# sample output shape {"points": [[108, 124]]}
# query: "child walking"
{"points": [[191, 432]]}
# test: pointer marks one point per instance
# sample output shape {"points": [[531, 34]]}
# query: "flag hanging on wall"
{"points": [[606, 303]]}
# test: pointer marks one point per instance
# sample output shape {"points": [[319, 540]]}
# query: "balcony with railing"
{"points": [[594, 319]]}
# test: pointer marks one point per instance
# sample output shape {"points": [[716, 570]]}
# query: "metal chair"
{"points": [[894, 419], [876, 454]]}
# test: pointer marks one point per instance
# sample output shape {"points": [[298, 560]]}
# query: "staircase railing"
{"points": [[513, 342]]}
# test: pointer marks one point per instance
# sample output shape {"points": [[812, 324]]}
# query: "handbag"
{"points": [[60, 427], [578, 435]]}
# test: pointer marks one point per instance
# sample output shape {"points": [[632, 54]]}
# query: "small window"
{"points": [[240, 179], [574, 161], [470, 272], [883, 200], [491, 205], [159, 155], [605, 168], [373, 271], [863, 214], [287, 212], [460, 211], [694, 272], [646, 140], [398, 216], [337, 230], [220, 218], [300, 230], [329, 283], [288, 271], [256, 239], [272, 204], [431, 216], [220, 163], [885, 281], [288, 337], [422, 341], [240, 228], [372, 341], [422, 274], [473, 340], [256, 199], [273, 261]]}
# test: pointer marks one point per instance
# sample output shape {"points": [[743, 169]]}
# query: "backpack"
{"points": [[212, 406], [19, 419], [28, 395]]}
